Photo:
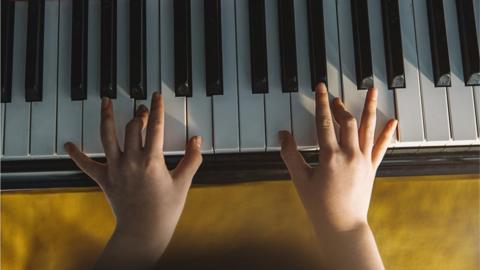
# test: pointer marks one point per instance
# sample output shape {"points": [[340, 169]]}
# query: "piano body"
{"points": [[236, 72]]}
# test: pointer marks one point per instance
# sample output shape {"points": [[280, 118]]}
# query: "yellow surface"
{"points": [[419, 223]]}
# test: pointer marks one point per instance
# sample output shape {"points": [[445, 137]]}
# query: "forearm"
{"points": [[351, 249], [134, 249]]}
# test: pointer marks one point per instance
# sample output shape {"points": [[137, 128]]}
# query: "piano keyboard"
{"points": [[235, 71]]}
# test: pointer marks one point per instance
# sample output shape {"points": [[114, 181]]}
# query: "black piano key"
{"points": [[393, 44], [468, 42], [8, 18], [361, 40], [438, 43], [318, 60], [258, 46], [108, 49], [79, 50], [34, 55], [183, 52], [288, 48], [138, 49], [213, 47]]}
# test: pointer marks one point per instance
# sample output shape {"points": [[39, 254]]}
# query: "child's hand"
{"points": [[336, 194], [147, 199]]}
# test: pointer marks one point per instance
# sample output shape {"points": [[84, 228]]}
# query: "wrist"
{"points": [[143, 238], [144, 229], [343, 233], [338, 226]]}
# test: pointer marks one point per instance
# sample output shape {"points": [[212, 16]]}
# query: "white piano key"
{"points": [[476, 96], [92, 143], [460, 97], [303, 102], [352, 98], [251, 106], [332, 48], [69, 113], [332, 52], [408, 100], [153, 50], [199, 106], [175, 108], [43, 114], [123, 105], [225, 107], [277, 103], [434, 99], [17, 113], [385, 100]]}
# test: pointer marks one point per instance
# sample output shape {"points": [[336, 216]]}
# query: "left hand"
{"points": [[147, 199]]}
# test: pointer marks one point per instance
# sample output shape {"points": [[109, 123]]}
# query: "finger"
{"points": [[296, 165], [107, 130], [155, 128], [324, 121], [348, 125], [188, 166], [383, 141], [94, 169], [142, 113], [133, 131], [366, 132]]}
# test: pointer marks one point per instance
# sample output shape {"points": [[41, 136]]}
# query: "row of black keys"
{"points": [[259, 76]]}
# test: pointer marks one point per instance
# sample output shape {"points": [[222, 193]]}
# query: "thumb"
{"points": [[95, 170], [188, 166], [296, 165]]}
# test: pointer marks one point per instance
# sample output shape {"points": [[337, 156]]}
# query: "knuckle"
{"points": [[372, 106], [105, 133], [350, 121], [127, 164], [106, 112], [324, 94], [106, 116], [329, 160], [141, 115], [200, 158], [155, 122], [328, 154], [353, 157], [367, 128], [133, 123], [151, 161], [284, 153], [325, 122]]}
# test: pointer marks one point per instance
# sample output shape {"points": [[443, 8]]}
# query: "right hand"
{"points": [[336, 193]]}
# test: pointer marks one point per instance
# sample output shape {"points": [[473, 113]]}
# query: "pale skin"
{"points": [[336, 193], [147, 199]]}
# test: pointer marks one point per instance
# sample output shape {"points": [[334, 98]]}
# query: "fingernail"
{"points": [[68, 147], [374, 93], [197, 140], [105, 102], [281, 135], [337, 101], [322, 88], [394, 122], [141, 109], [156, 95]]}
